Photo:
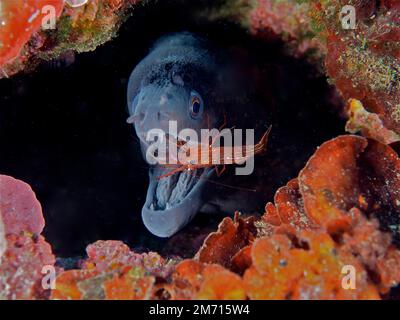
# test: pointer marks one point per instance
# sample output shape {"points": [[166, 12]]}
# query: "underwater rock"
{"points": [[352, 172], [306, 265], [369, 124], [19, 209], [288, 208], [129, 285], [344, 173], [331, 219], [340, 215], [221, 246], [350, 189], [21, 267], [67, 284], [85, 27], [3, 241], [196, 280], [288, 20], [79, 28], [105, 255], [19, 21], [342, 210], [372, 248], [113, 271], [25, 252], [362, 62]]}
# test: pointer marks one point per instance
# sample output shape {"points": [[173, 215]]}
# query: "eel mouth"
{"points": [[172, 190], [174, 200]]}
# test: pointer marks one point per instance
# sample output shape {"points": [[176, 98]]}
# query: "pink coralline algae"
{"points": [[3, 242], [342, 210], [108, 255], [113, 271], [289, 20], [21, 267], [19, 208], [25, 251]]}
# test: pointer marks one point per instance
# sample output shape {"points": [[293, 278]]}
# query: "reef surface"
{"points": [[342, 210]]}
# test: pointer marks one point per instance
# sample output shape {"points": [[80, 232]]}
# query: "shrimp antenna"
{"points": [[264, 139]]}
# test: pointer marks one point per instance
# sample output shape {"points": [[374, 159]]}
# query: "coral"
{"points": [[363, 62], [365, 176], [346, 174], [24, 250], [315, 229], [108, 255], [288, 20], [347, 180], [3, 241], [340, 215], [221, 246], [329, 218], [327, 200], [79, 28], [19, 209], [129, 286], [284, 270], [125, 283], [86, 27], [369, 124], [342, 210], [112, 271], [18, 21], [288, 208], [196, 280], [67, 284], [21, 267]]}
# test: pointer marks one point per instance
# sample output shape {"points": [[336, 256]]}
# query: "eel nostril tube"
{"points": [[135, 117], [132, 119]]}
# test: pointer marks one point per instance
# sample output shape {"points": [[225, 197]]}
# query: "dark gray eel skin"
{"points": [[161, 88]]}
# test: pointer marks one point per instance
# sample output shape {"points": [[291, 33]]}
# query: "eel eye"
{"points": [[195, 105]]}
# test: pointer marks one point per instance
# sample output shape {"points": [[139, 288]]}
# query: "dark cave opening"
{"points": [[63, 129]]}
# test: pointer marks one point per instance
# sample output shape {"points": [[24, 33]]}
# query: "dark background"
{"points": [[63, 130]]}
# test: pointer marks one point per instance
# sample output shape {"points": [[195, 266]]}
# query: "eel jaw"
{"points": [[172, 202]]}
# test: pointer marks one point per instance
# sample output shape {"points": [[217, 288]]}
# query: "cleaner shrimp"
{"points": [[199, 155]]}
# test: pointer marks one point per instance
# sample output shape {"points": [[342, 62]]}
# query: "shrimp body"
{"points": [[200, 155]]}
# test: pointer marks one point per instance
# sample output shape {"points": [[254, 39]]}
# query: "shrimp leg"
{"points": [[218, 171], [170, 173]]}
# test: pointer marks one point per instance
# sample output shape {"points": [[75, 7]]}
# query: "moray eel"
{"points": [[188, 79]]}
